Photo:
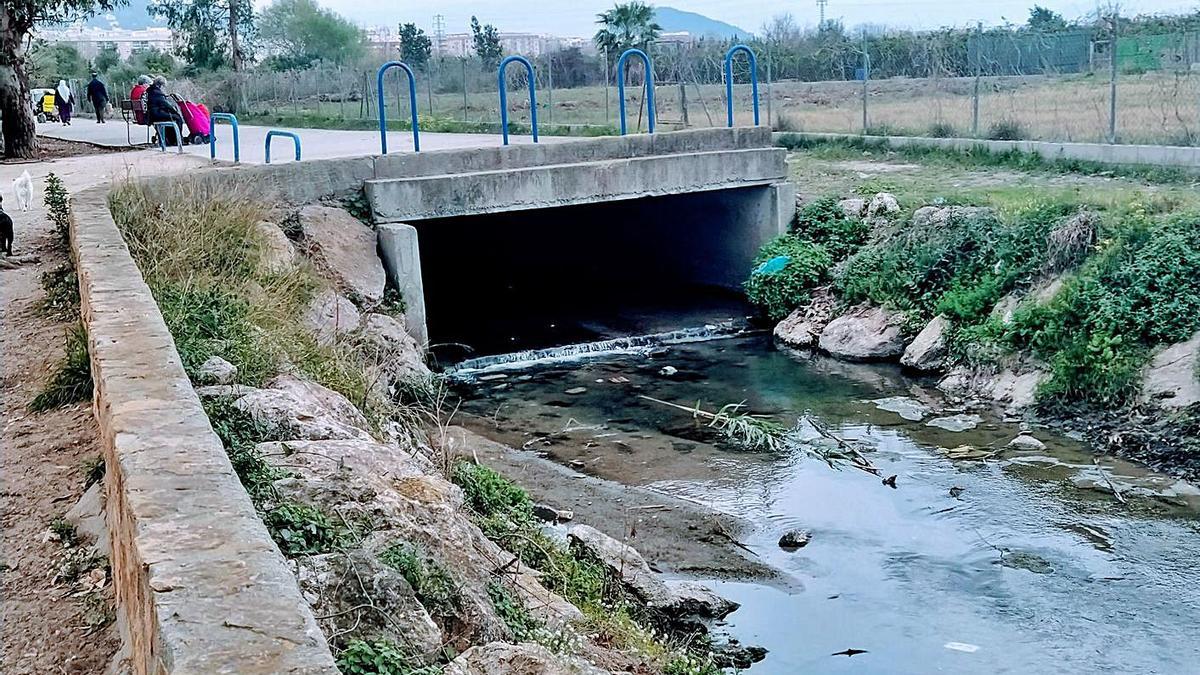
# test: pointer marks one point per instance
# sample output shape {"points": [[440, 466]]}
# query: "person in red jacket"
{"points": [[136, 94]]}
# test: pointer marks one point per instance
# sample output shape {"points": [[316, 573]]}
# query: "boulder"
{"points": [[1005, 308], [882, 204], [794, 539], [1026, 442], [940, 216], [1015, 386], [343, 587], [552, 515], [802, 327], [345, 249], [865, 333], [695, 599], [397, 492], [330, 316], [854, 207], [304, 410], [396, 351], [278, 255], [216, 370], [624, 563], [88, 517], [927, 351], [1170, 379], [523, 659]]}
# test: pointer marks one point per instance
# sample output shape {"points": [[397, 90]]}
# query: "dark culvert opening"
{"points": [[505, 282]]}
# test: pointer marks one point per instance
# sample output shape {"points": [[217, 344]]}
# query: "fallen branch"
{"points": [[1104, 474]]}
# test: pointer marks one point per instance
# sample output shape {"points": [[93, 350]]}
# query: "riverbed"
{"points": [[1015, 561]]}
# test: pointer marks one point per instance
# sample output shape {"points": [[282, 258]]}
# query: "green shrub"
{"points": [[823, 222], [71, 379], [380, 657], [513, 612], [942, 130], [432, 583], [241, 433], [300, 529], [490, 494], [209, 320], [58, 206], [1006, 130], [61, 286], [777, 293]]}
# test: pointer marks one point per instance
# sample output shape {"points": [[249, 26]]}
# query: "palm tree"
{"points": [[629, 25]]}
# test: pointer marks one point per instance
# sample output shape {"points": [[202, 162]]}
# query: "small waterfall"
{"points": [[466, 371]]}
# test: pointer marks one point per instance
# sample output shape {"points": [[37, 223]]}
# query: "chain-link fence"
{"points": [[996, 83]]}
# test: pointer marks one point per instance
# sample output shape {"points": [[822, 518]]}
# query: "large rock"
{"points": [[927, 351], [278, 254], [855, 207], [523, 659], [216, 370], [624, 563], [941, 216], [802, 327], [393, 348], [1170, 379], [345, 249], [395, 492], [883, 204], [330, 316], [355, 592], [1005, 308], [1014, 386], [865, 333], [304, 410], [695, 599]]}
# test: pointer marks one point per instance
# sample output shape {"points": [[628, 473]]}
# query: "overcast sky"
{"points": [[576, 17]]}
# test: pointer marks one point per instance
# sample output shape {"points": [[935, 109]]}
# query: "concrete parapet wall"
{"points": [[201, 587], [1149, 155], [449, 195]]}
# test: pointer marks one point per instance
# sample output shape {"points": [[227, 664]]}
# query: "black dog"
{"points": [[6, 230]]}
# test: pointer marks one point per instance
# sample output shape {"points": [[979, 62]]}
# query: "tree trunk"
{"points": [[235, 48], [17, 126]]}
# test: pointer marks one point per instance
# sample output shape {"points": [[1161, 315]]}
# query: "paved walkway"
{"points": [[316, 143]]}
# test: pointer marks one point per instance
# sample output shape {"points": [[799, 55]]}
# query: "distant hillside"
{"points": [[132, 16], [676, 20]]}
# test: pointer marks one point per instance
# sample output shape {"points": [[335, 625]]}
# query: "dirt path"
{"points": [[43, 457]]}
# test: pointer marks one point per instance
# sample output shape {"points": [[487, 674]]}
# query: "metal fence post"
{"points": [[770, 123], [550, 88], [1112, 82], [463, 61], [866, 74], [978, 73]]}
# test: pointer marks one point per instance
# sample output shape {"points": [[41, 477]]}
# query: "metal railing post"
{"points": [[412, 104], [649, 86], [502, 83], [162, 145], [212, 136], [729, 81], [275, 132]]}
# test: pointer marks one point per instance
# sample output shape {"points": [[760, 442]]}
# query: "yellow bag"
{"points": [[48, 103]]}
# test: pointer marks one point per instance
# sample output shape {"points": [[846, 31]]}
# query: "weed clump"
{"points": [[380, 657], [785, 271], [71, 379], [1006, 130], [300, 529], [432, 583]]}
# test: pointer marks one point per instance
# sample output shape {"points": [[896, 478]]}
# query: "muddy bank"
{"points": [[677, 537]]}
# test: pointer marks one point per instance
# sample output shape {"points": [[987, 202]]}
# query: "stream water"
{"points": [[1031, 566]]}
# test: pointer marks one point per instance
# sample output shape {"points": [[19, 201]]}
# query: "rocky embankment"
{"points": [[402, 566], [1148, 428]]}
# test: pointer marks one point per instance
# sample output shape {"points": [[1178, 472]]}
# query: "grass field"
{"points": [[1154, 108]]}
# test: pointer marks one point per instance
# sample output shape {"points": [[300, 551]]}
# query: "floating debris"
{"points": [[955, 423], [910, 409]]}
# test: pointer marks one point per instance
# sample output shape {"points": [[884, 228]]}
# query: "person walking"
{"points": [[64, 100], [97, 94]]}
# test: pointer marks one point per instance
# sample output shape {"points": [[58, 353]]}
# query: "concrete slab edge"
{"points": [[200, 585]]}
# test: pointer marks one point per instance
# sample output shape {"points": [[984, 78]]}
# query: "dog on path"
{"points": [[23, 189]]}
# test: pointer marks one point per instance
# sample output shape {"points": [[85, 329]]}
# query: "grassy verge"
{"points": [[978, 156]]}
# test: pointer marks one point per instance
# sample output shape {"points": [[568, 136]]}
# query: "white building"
{"points": [[456, 45], [91, 41]]}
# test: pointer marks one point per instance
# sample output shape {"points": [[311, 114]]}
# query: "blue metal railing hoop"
{"points": [[212, 135], [412, 104], [286, 134], [729, 81], [649, 85], [501, 82]]}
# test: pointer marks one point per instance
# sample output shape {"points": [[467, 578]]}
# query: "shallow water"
{"points": [[1034, 568]]}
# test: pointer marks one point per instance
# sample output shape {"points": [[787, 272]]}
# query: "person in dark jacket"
{"points": [[160, 108], [97, 95]]}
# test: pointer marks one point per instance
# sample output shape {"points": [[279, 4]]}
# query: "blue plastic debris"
{"points": [[773, 265]]}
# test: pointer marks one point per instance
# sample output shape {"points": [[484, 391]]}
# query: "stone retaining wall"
{"points": [[201, 587]]}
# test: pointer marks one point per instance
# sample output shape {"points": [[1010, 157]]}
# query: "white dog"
{"points": [[23, 189]]}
